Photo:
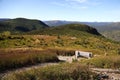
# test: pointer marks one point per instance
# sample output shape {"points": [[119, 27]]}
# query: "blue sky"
{"points": [[71, 10]]}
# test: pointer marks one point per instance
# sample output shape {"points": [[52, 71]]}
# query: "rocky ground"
{"points": [[108, 74]]}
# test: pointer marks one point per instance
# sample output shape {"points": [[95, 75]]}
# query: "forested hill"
{"points": [[21, 25]]}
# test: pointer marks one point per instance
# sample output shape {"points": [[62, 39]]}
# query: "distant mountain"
{"points": [[111, 30], [21, 25], [112, 26], [57, 22], [4, 19]]}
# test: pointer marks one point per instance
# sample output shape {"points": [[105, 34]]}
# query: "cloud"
{"points": [[70, 5], [59, 4], [77, 4], [83, 7], [78, 1], [85, 2]]}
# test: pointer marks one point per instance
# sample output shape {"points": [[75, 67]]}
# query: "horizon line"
{"points": [[59, 20]]}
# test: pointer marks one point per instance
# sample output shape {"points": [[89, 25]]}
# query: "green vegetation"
{"points": [[20, 58], [104, 62], [72, 71], [91, 43]]}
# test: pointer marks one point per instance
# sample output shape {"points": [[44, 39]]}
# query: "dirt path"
{"points": [[27, 68], [65, 58]]}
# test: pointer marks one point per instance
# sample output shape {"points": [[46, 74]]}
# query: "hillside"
{"points": [[108, 29], [69, 29], [114, 34], [21, 25]]}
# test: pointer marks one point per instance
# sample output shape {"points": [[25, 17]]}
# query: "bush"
{"points": [[65, 52], [5, 35]]}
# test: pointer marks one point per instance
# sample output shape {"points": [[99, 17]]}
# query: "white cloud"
{"points": [[70, 5], [77, 4], [84, 7], [85, 2], [78, 1], [80, 7], [58, 4]]}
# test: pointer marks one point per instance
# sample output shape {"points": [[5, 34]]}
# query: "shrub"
{"points": [[65, 52]]}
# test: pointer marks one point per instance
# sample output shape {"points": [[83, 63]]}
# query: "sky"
{"points": [[70, 10]]}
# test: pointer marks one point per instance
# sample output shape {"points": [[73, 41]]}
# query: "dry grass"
{"points": [[19, 58]]}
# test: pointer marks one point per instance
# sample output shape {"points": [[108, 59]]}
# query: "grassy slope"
{"points": [[87, 38]]}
